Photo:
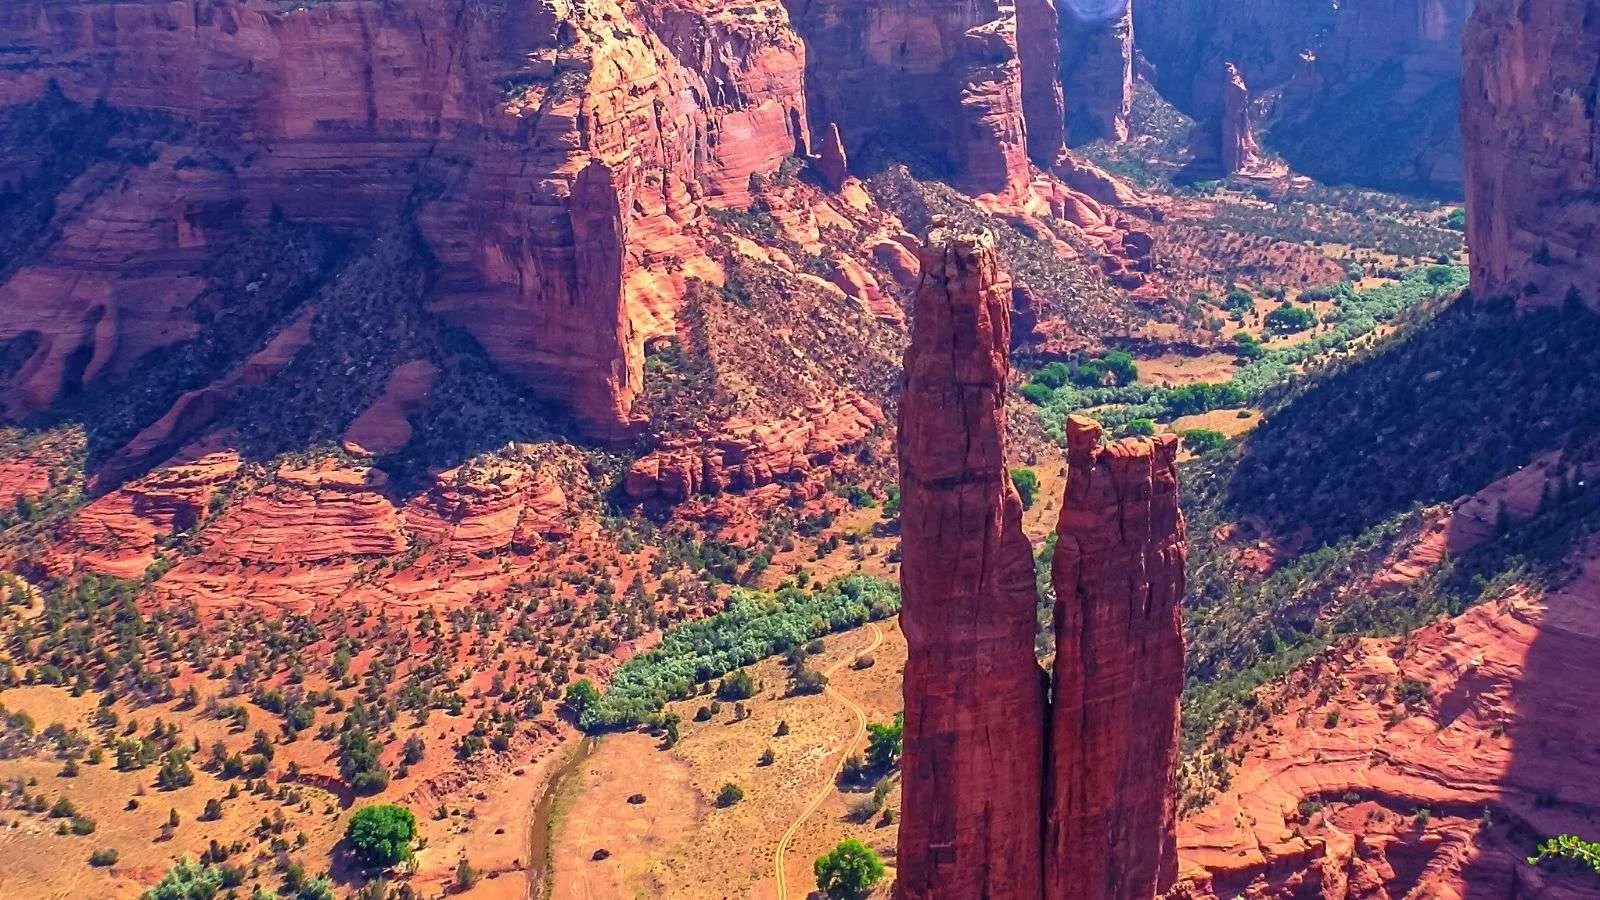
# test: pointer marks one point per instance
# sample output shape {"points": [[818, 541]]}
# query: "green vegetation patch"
{"points": [[382, 834], [757, 624], [1356, 314]]}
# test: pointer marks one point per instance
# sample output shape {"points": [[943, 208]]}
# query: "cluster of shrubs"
{"points": [[1356, 313], [757, 624], [1113, 369]]}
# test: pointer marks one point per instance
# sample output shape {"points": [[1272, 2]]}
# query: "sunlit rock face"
{"points": [[1119, 583], [1007, 794], [551, 162], [974, 693]]}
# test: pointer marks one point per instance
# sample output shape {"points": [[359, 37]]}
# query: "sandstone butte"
{"points": [[1097, 69], [1239, 149], [992, 806]]}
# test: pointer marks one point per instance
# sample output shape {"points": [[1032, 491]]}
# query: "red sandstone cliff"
{"points": [[1043, 103], [1119, 582], [1528, 119], [974, 692], [1097, 69], [525, 126], [942, 84]]}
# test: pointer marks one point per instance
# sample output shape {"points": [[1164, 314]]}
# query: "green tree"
{"points": [[729, 795], [358, 763], [1201, 441], [175, 772], [1290, 319], [189, 880], [581, 697], [381, 835], [1140, 428], [884, 742], [1027, 485], [739, 685], [849, 870]]}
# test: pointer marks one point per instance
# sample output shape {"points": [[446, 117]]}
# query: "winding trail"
{"points": [[827, 789]]}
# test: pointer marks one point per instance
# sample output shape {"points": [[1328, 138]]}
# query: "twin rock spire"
{"points": [[1012, 790]]}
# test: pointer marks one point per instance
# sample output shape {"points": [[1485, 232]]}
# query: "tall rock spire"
{"points": [[974, 692], [1119, 581], [1009, 795]]}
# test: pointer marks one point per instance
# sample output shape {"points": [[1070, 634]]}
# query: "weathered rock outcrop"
{"points": [[511, 129], [1239, 149], [1097, 69], [992, 806], [1043, 104], [117, 534], [1477, 737], [833, 164], [1119, 582], [1528, 116], [974, 692], [936, 83], [746, 456]]}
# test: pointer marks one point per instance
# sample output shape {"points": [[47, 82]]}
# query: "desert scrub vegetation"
{"points": [[1356, 314], [1571, 849], [1067, 290], [1428, 417], [29, 521], [756, 624], [256, 284], [1438, 413]]}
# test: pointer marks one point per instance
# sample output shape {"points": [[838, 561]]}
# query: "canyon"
{"points": [[1359, 92], [387, 370]]}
